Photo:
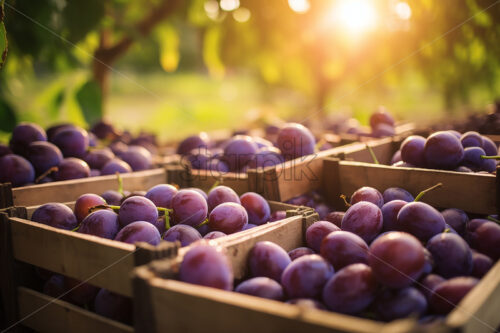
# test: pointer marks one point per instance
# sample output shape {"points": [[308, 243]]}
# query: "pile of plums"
{"points": [[389, 256], [242, 152], [448, 150], [314, 200], [382, 124], [481, 121], [163, 212], [147, 217], [281, 143], [66, 151]]}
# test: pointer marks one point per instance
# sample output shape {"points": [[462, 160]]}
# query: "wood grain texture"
{"points": [[494, 137], [382, 148], [478, 311], [195, 308], [299, 176], [6, 199], [8, 277], [287, 233], [184, 176], [474, 193], [105, 262], [205, 180], [143, 310], [71, 189], [47, 314]]}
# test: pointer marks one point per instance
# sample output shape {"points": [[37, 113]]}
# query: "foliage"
{"points": [[454, 47], [7, 117], [89, 99]]}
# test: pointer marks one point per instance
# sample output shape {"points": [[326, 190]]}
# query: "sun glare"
{"points": [[356, 16], [299, 6], [403, 10]]}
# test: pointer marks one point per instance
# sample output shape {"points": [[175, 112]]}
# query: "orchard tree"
{"points": [[53, 34], [454, 45], [313, 46]]}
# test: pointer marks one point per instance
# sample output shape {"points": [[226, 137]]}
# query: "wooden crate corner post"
{"points": [[8, 278], [6, 198], [146, 253], [256, 181], [271, 190], [331, 181], [144, 319], [179, 175]]}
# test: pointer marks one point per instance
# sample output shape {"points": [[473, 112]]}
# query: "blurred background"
{"points": [[177, 67]]}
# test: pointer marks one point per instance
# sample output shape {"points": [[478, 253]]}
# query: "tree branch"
{"points": [[109, 54]]}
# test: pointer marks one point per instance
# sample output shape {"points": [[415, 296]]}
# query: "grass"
{"points": [[176, 105]]}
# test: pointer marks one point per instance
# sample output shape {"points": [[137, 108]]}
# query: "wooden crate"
{"points": [[184, 176], [473, 193], [101, 262], [495, 138], [384, 149], [284, 181], [69, 190], [297, 177], [180, 307], [104, 263]]}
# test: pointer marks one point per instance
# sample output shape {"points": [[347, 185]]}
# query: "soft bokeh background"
{"points": [[180, 66]]}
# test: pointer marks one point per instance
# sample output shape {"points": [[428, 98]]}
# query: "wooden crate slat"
{"points": [[31, 209], [184, 176], [74, 254], [474, 193], [494, 137], [299, 176], [382, 148], [212, 307], [205, 179], [239, 248], [60, 316], [230, 312], [71, 189], [478, 311], [275, 206]]}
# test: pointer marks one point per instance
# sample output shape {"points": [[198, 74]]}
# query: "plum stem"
{"points": [[492, 219], [320, 143], [447, 230], [202, 223], [343, 197], [217, 182], [77, 227], [372, 153], [424, 192], [120, 183], [496, 157], [94, 208], [46, 173], [166, 212]]}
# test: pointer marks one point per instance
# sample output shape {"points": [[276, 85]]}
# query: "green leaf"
{"points": [[7, 117], [89, 99], [55, 103], [3, 36]]}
